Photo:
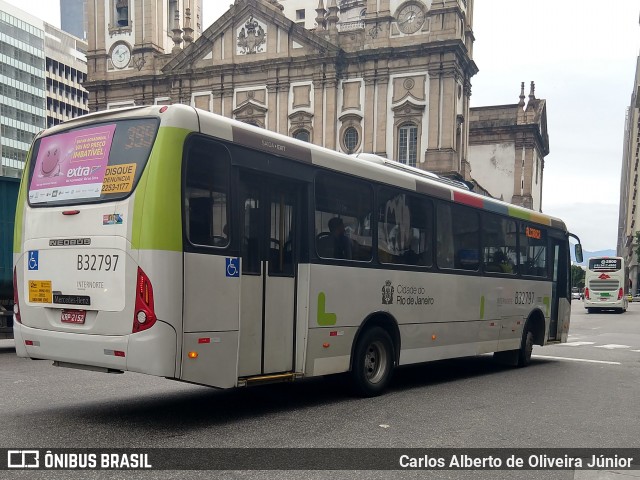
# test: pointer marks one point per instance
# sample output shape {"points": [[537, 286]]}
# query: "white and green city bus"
{"points": [[175, 242], [606, 285]]}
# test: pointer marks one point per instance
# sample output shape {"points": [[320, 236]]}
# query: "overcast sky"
{"points": [[582, 57]]}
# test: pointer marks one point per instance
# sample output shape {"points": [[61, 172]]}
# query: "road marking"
{"points": [[577, 344], [636, 351], [577, 359], [612, 346]]}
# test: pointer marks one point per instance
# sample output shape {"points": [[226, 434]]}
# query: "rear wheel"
{"points": [[373, 362]]}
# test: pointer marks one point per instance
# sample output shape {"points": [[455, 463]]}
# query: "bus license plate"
{"points": [[73, 316]]}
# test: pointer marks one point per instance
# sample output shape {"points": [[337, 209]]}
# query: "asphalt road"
{"points": [[580, 394]]}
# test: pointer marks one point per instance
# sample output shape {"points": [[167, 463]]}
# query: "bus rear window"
{"points": [[92, 163]]}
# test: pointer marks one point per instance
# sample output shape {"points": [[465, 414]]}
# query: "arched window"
{"points": [[408, 144], [302, 135], [351, 139]]}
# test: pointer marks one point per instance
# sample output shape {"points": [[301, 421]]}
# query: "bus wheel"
{"points": [[526, 347], [372, 363]]}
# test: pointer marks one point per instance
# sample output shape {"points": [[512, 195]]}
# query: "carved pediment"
{"points": [[408, 109], [248, 110], [409, 87], [250, 30], [301, 118]]}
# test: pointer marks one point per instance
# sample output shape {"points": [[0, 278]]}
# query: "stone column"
{"points": [[331, 113], [283, 101], [318, 113], [369, 113], [382, 111]]}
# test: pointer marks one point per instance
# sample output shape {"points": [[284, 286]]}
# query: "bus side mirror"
{"points": [[579, 257]]}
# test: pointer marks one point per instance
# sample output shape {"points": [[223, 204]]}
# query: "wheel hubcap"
{"points": [[375, 362]]}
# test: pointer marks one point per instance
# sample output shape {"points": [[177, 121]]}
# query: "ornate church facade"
{"points": [[390, 77]]}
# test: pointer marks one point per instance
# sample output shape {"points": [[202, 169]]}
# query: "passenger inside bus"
{"points": [[341, 243]]}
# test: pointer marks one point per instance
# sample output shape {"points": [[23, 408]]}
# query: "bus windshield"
{"points": [[92, 163]]}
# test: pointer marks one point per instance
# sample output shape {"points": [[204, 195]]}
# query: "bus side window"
{"points": [[347, 205], [499, 244], [533, 251], [404, 228], [458, 237], [207, 186]]}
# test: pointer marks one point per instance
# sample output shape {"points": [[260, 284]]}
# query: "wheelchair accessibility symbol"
{"points": [[233, 267], [33, 260]]}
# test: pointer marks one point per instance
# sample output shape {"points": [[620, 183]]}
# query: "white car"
{"points": [[577, 296]]}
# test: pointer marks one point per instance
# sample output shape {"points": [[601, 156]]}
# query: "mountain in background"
{"points": [[587, 255]]}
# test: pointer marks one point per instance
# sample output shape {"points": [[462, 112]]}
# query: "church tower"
{"points": [[131, 38]]}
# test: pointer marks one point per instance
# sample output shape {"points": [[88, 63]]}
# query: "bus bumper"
{"points": [[151, 351]]}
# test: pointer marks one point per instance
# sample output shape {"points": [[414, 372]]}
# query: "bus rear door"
{"points": [[269, 218]]}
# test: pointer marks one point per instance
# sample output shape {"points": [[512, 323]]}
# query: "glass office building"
{"points": [[22, 85]]}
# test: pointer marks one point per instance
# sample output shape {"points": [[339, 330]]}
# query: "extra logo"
{"points": [[387, 293], [604, 276], [82, 171]]}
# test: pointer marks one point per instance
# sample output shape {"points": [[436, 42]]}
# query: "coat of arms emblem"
{"points": [[387, 293], [252, 37]]}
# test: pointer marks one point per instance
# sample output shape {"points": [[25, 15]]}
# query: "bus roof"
{"points": [[367, 166]]}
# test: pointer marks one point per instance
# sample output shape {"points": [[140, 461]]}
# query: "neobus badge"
{"points": [[69, 242]]}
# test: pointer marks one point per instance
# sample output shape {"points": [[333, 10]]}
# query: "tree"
{"points": [[577, 276]]}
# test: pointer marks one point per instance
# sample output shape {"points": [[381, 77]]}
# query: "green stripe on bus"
{"points": [[157, 211], [22, 199], [547, 303], [325, 318], [522, 215]]}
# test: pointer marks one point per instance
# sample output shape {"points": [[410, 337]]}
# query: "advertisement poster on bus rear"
{"points": [[71, 165]]}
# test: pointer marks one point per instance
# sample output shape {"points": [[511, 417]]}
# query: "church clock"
{"points": [[410, 18]]}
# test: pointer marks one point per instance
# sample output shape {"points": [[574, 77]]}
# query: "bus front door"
{"points": [[560, 297], [267, 298]]}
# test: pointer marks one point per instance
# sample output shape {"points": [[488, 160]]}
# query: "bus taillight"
{"points": [[620, 294], [16, 303], [145, 315], [586, 294]]}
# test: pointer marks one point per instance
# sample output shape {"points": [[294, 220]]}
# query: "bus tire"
{"points": [[526, 347], [373, 362]]}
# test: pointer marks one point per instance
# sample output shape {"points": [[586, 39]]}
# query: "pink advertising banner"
{"points": [[71, 165]]}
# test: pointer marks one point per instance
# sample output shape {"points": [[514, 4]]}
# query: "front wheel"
{"points": [[526, 347], [373, 362], [520, 357]]}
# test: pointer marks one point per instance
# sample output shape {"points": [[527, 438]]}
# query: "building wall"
{"points": [[66, 72], [492, 166], [629, 214], [22, 85], [507, 149]]}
